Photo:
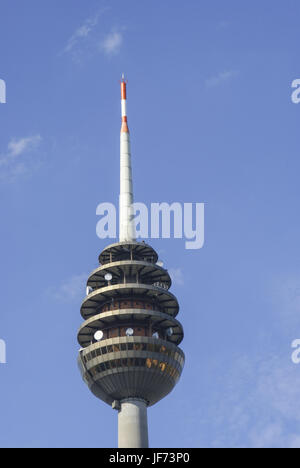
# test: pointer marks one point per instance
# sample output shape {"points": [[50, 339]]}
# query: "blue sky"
{"points": [[211, 121]]}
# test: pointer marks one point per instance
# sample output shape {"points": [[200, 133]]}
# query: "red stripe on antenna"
{"points": [[123, 90]]}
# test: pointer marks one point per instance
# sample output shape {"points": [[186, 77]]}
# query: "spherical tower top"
{"points": [[130, 336]]}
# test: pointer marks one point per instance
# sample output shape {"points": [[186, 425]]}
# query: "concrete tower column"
{"points": [[133, 424]]}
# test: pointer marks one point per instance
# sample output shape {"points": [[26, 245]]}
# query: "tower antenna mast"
{"points": [[126, 221]]}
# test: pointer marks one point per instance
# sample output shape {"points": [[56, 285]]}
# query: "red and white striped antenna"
{"points": [[124, 127], [127, 228]]}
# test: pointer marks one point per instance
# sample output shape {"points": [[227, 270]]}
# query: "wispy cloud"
{"points": [[112, 43], [259, 406], [284, 293], [70, 290], [260, 396], [16, 160], [88, 40], [81, 33], [18, 147], [176, 276], [251, 399], [221, 78]]}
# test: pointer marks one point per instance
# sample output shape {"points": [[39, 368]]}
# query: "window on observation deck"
{"points": [[154, 364], [113, 333]]}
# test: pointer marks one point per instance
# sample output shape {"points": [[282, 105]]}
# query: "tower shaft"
{"points": [[127, 229], [133, 424]]}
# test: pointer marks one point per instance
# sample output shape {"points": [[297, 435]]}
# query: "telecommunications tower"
{"points": [[129, 355]]}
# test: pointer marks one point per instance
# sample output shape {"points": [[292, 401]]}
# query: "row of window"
{"points": [[150, 347], [113, 257], [128, 304], [136, 362]]}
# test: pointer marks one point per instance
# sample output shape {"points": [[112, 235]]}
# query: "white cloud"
{"points": [[283, 292], [81, 33], [18, 147], [16, 161], [221, 78], [70, 290], [259, 406], [112, 43], [252, 399], [176, 276], [86, 40], [294, 442], [265, 436]]}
